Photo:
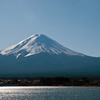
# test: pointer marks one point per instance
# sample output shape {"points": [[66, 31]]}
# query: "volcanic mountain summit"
{"points": [[40, 56], [36, 44]]}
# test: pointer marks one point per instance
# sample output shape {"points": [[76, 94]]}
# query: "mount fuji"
{"points": [[36, 44], [40, 56]]}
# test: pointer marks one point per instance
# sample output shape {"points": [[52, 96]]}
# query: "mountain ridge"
{"points": [[19, 60], [36, 44]]}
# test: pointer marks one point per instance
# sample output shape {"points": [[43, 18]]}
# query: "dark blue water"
{"points": [[49, 93]]}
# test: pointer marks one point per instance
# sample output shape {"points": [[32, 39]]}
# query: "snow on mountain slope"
{"points": [[36, 44]]}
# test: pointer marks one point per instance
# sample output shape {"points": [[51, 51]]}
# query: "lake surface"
{"points": [[49, 93]]}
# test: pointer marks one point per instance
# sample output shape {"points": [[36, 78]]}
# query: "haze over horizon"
{"points": [[74, 24]]}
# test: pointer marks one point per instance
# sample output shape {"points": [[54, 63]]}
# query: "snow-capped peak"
{"points": [[36, 44]]}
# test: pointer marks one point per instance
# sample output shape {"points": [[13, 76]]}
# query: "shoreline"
{"points": [[51, 81]]}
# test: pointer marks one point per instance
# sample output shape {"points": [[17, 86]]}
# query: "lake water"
{"points": [[49, 93]]}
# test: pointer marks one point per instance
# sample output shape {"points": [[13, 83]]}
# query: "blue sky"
{"points": [[73, 23]]}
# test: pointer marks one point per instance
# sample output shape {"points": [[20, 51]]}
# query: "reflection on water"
{"points": [[49, 93]]}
